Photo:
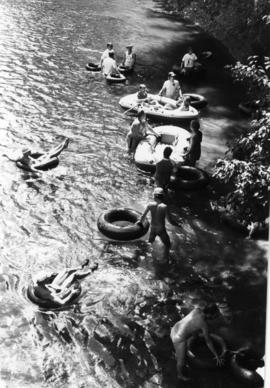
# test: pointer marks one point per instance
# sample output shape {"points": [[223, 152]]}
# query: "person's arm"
{"points": [[209, 343], [147, 209], [162, 90], [182, 63], [134, 59]]}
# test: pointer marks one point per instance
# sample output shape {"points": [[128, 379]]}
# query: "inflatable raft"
{"points": [[154, 107], [244, 365], [150, 150]]}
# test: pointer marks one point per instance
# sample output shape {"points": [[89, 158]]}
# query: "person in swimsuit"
{"points": [[190, 325], [158, 211], [63, 286]]}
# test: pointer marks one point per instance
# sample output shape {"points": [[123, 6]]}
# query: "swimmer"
{"points": [[190, 325]]}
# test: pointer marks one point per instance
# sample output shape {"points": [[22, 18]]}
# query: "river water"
{"points": [[49, 222]]}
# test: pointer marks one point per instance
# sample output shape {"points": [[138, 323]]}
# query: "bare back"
{"points": [[158, 215], [188, 326]]}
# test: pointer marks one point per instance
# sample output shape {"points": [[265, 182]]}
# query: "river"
{"points": [[49, 222]]}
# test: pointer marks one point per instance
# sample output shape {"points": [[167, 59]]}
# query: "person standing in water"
{"points": [[105, 53], [194, 152], [188, 61], [158, 211], [109, 66], [164, 169], [171, 88], [129, 58], [190, 325]]}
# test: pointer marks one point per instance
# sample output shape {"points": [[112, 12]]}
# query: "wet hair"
{"points": [[167, 152], [195, 124], [211, 310], [141, 113]]}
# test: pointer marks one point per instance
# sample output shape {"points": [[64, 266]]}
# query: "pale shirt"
{"points": [[189, 60], [171, 90], [104, 56], [109, 66], [129, 59]]}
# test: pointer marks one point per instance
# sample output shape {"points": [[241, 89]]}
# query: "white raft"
{"points": [[150, 150], [156, 108]]}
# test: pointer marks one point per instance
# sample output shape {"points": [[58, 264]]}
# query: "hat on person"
{"points": [[142, 86], [109, 44], [158, 192], [172, 74], [25, 150], [129, 45]]}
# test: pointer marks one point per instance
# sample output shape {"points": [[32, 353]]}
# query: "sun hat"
{"points": [[172, 74], [129, 45], [158, 192], [142, 86]]}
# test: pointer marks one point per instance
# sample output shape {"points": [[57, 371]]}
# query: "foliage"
{"points": [[254, 76]]}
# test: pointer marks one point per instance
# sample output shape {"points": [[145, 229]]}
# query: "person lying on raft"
{"points": [[180, 104], [33, 164], [138, 131], [63, 286], [190, 325]]}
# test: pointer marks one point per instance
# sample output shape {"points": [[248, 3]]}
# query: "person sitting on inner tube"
{"points": [[129, 58], [62, 287], [183, 105], [188, 62], [138, 131], [109, 66], [194, 152], [190, 325], [33, 164], [105, 53]]}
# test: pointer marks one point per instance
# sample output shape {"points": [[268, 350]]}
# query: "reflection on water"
{"points": [[117, 336]]}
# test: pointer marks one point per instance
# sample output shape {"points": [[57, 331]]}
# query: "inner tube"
{"points": [[50, 164], [117, 78], [244, 371], [196, 100], [200, 356], [92, 67], [233, 221], [189, 178], [125, 70], [129, 230], [47, 304]]}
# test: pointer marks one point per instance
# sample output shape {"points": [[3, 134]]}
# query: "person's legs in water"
{"points": [[180, 355], [164, 237], [152, 235], [58, 149], [61, 277]]}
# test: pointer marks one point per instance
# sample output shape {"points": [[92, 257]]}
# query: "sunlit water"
{"points": [[118, 334]]}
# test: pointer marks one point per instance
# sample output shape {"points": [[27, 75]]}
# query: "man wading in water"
{"points": [[158, 211], [192, 324]]}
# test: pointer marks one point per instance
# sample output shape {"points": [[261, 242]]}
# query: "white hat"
{"points": [[158, 192]]}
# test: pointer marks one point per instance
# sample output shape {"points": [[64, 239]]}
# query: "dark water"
{"points": [[49, 222]]}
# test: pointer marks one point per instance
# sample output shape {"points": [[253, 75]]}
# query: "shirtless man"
{"points": [[158, 211], [190, 325]]}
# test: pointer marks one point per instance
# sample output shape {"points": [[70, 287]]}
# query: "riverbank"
{"points": [[239, 25]]}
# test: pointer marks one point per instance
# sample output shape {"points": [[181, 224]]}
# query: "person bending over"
{"points": [[192, 324]]}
